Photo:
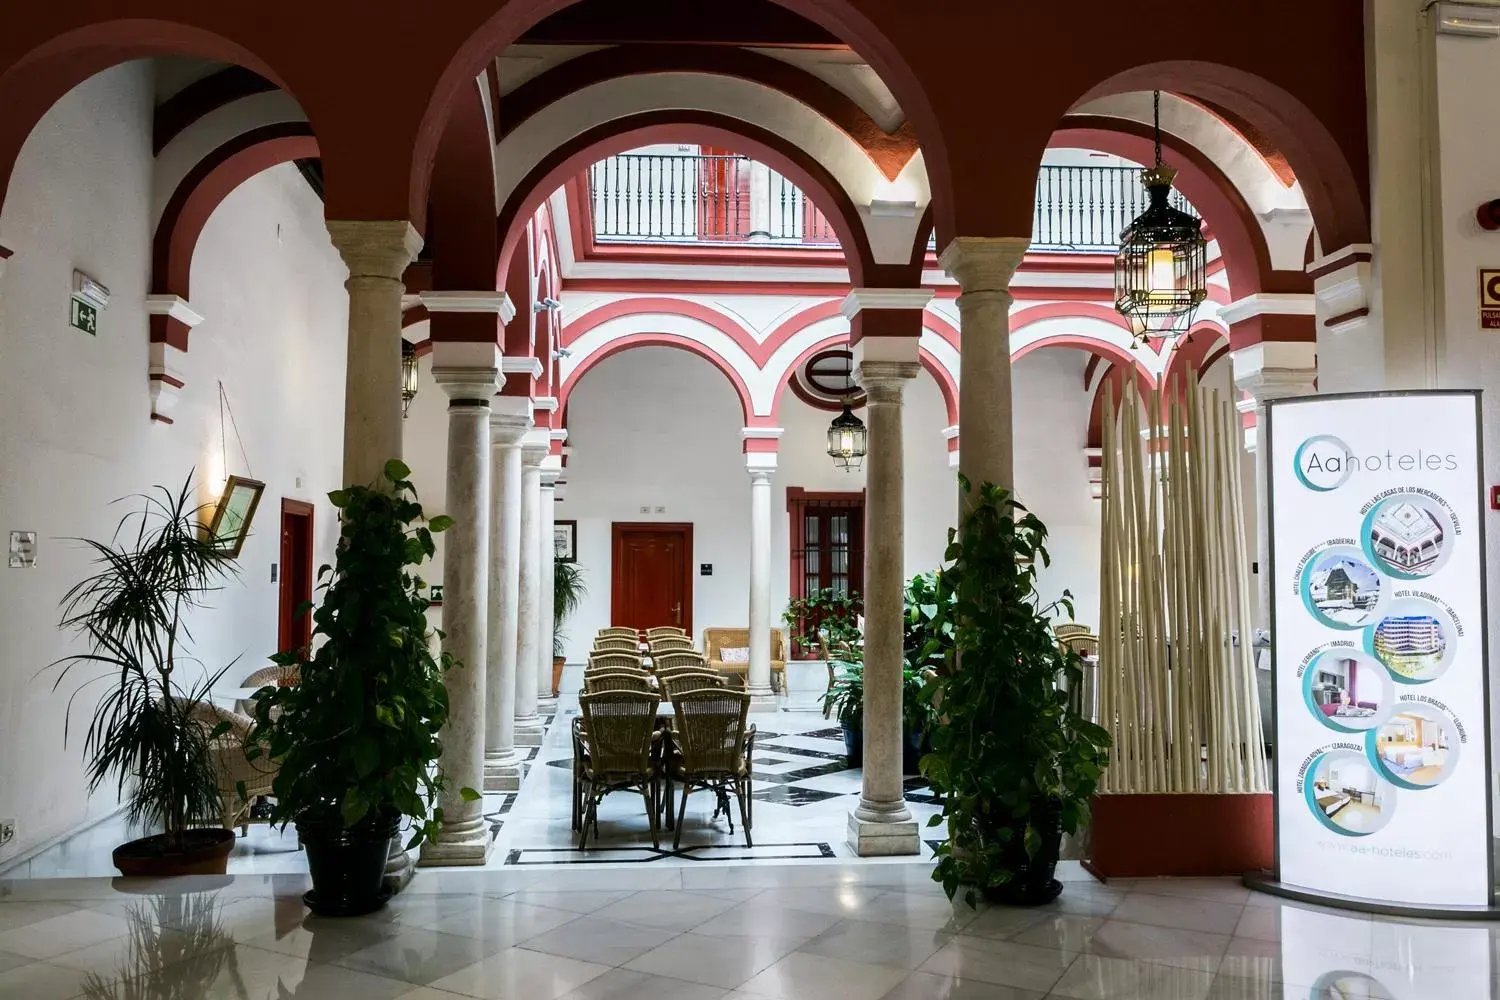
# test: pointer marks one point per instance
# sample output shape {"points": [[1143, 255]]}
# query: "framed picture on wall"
{"points": [[565, 540], [235, 511]]}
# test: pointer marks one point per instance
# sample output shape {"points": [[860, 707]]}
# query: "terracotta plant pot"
{"points": [[206, 853], [557, 669]]}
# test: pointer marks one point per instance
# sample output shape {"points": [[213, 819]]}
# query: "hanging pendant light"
{"points": [[1161, 270], [408, 376], [847, 437]]}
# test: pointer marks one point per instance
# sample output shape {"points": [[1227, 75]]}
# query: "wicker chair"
{"points": [[618, 632], [671, 644], [232, 767], [678, 681], [665, 630], [1078, 638], [618, 737], [614, 661], [681, 658], [274, 676], [715, 640], [617, 646], [713, 750], [616, 680]]}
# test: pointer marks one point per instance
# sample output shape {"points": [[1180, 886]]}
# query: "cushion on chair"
{"points": [[735, 654]]}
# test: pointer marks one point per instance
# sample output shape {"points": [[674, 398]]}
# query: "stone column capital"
{"points": [[884, 380], [1276, 369], [496, 303], [535, 446], [508, 429], [473, 385], [984, 263], [861, 299], [375, 249], [761, 476], [550, 478]]}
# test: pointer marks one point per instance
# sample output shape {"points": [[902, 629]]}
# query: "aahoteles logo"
{"points": [[1324, 462]]}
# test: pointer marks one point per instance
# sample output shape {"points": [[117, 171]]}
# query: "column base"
{"points": [[761, 697], [504, 772], [399, 869], [465, 846], [547, 705], [883, 838]]}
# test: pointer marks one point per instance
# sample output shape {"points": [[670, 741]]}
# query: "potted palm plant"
{"points": [[568, 592], [1014, 765], [357, 740], [151, 731]]}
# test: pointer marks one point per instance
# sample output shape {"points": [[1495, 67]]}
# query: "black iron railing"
{"points": [[701, 198]]}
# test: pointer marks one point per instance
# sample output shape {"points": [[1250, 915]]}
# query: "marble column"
{"points": [[983, 267], [528, 657], [881, 824], [758, 674], [377, 254], [504, 765], [547, 617], [465, 835]]}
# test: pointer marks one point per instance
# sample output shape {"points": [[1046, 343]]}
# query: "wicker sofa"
{"points": [[716, 640]]}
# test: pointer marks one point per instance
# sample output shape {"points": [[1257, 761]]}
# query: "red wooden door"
{"points": [[295, 631], [652, 579], [723, 195]]}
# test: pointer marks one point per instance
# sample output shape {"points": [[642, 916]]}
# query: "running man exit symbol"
{"points": [[84, 317]]}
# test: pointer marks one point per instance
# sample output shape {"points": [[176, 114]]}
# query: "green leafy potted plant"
{"points": [[845, 702], [151, 729], [1014, 765], [357, 739], [825, 619], [568, 593]]}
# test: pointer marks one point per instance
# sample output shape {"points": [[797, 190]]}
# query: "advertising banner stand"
{"points": [[1379, 654]]}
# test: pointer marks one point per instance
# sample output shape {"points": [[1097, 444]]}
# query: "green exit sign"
{"points": [[83, 316]]}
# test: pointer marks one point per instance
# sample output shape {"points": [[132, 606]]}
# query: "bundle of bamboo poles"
{"points": [[1176, 693]]}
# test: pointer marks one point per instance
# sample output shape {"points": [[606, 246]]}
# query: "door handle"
{"points": [[677, 613]]}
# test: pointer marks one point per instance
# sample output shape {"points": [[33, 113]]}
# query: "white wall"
{"points": [[76, 411]]}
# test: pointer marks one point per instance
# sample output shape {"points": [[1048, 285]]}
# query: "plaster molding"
{"points": [[760, 463], [164, 382], [496, 303], [1343, 284], [171, 306], [860, 299], [507, 428], [950, 433], [1268, 304], [545, 403], [761, 433], [521, 366], [375, 248], [468, 383], [558, 435], [1275, 370]]}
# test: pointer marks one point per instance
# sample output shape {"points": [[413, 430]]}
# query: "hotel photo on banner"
{"points": [[1379, 651]]}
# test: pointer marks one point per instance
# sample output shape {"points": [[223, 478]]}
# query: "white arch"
{"points": [[188, 147], [1086, 328], [521, 150]]}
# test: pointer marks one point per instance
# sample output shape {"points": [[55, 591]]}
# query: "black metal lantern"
{"points": [[408, 376], [847, 438], [1161, 270]]}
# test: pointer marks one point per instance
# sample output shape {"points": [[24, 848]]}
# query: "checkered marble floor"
{"points": [[840, 931]]}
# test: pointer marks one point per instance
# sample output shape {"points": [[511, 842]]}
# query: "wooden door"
{"points": [[723, 195], [295, 630], [652, 579]]}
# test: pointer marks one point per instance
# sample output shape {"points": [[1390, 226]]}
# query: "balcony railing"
{"points": [[699, 198], [691, 198]]}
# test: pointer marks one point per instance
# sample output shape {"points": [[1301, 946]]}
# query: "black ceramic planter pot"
{"points": [[911, 750], [854, 746], [1035, 881], [346, 864]]}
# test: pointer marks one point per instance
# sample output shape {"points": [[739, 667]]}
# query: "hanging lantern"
{"points": [[847, 440], [408, 376], [1161, 270], [847, 437]]}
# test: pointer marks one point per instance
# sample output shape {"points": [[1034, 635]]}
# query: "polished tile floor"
{"points": [[647, 932]]}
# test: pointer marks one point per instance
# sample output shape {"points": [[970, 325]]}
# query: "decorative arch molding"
{"points": [[1336, 192], [627, 332], [197, 140], [1204, 341], [526, 196], [888, 151], [202, 191], [946, 379], [43, 75], [1085, 326], [201, 98], [842, 18]]}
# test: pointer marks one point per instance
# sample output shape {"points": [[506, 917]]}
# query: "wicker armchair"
{"points": [[682, 658], [671, 644], [618, 632], [715, 640], [665, 630], [618, 736], [617, 646], [616, 680], [678, 681], [1077, 638], [713, 750], [274, 676], [614, 661], [232, 767]]}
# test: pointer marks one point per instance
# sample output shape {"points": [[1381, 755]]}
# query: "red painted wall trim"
{"points": [[660, 340], [201, 98]]}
